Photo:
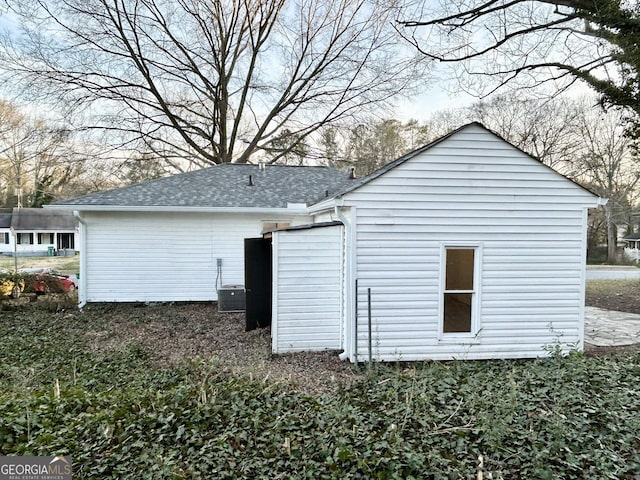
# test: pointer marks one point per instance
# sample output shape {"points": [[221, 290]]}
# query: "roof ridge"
{"points": [[270, 165]]}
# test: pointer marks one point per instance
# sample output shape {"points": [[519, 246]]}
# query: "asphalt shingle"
{"points": [[41, 219], [226, 185]]}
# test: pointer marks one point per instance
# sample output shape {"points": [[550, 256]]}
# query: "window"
{"points": [[45, 238], [460, 289], [4, 237], [25, 238]]}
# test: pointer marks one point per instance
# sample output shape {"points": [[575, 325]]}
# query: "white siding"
{"points": [[307, 268], [473, 188], [164, 256], [5, 233]]}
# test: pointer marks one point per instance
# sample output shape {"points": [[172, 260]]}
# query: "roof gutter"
{"points": [[82, 287], [297, 208], [349, 294]]}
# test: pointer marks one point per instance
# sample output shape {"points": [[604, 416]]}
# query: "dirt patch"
{"points": [[619, 295], [174, 332], [593, 351]]}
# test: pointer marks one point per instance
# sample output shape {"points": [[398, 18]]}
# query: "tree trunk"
{"points": [[612, 236]]}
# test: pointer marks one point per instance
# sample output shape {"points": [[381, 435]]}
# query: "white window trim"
{"points": [[461, 337], [51, 235], [30, 235]]}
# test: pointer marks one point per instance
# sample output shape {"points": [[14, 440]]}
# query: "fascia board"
{"points": [[329, 204], [297, 209]]}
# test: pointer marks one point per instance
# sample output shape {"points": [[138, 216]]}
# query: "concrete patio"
{"points": [[607, 328]]}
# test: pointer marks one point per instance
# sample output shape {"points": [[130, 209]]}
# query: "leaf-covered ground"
{"points": [[620, 295], [111, 387]]}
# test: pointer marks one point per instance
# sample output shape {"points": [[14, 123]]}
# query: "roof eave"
{"points": [[299, 209], [327, 204]]}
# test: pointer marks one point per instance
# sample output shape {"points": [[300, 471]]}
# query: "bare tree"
{"points": [[530, 42], [34, 157], [545, 129], [212, 81], [370, 145], [609, 165]]}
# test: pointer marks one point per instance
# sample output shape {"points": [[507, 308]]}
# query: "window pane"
{"points": [[459, 274], [457, 312]]}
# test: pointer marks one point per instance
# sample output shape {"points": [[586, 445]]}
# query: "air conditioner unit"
{"points": [[231, 298]]}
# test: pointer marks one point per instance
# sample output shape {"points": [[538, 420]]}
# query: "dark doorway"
{"points": [[257, 279], [66, 241]]}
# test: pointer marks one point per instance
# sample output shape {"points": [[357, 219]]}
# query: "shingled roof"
{"points": [[225, 186], [5, 218], [41, 219]]}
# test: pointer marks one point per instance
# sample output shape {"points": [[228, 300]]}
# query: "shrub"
{"points": [[8, 281]]}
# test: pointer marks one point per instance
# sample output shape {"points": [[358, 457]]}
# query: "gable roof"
{"points": [[41, 219], [633, 236], [35, 219], [384, 169], [5, 218], [225, 186], [228, 186]]}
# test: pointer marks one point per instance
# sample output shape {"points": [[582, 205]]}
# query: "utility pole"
{"points": [[19, 195]]}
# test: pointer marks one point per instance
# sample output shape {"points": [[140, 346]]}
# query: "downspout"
{"points": [[82, 287], [348, 294]]}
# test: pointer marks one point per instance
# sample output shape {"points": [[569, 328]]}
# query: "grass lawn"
{"points": [[69, 264], [180, 391]]}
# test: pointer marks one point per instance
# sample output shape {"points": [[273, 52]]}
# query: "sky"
{"points": [[439, 93], [437, 97]]}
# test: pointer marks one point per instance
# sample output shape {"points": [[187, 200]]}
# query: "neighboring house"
{"points": [[632, 248], [36, 231], [621, 233], [5, 231], [469, 248]]}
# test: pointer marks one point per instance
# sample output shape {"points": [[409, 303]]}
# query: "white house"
{"points": [[6, 239], [36, 231], [162, 240], [467, 247]]}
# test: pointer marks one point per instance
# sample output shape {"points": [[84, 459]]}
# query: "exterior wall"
{"points": [[470, 189], [164, 256], [35, 247], [5, 233], [632, 254], [307, 302]]}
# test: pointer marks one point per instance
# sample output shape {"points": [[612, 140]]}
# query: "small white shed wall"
{"points": [[471, 188], [150, 256], [307, 302]]}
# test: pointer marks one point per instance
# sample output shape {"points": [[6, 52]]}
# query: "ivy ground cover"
{"points": [[122, 412]]}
